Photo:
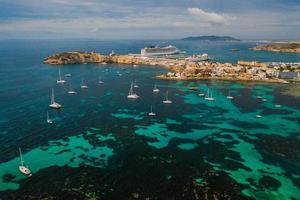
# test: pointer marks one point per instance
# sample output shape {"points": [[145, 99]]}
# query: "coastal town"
{"points": [[187, 69]]}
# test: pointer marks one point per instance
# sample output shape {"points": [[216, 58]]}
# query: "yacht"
{"points": [[112, 53], [159, 51], [59, 77], [135, 85], [198, 58], [201, 94], [131, 94], [277, 106], [71, 91], [155, 89], [23, 169], [100, 81], [193, 88], [151, 113], [167, 101], [208, 96], [49, 121], [229, 96], [83, 85], [68, 75], [54, 104], [258, 116]]}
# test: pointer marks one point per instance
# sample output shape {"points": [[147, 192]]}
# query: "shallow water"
{"points": [[188, 144]]}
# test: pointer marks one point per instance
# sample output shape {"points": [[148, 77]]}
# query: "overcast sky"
{"points": [[149, 19]]}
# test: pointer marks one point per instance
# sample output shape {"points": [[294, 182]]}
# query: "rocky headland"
{"points": [[181, 69], [286, 47]]}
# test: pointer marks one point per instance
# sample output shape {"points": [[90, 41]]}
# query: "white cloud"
{"points": [[210, 17]]}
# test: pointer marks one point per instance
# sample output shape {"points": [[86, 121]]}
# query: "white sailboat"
{"points": [[131, 94], [23, 169], [54, 104], [209, 96], [100, 81], [167, 101], [229, 96], [135, 85], [151, 113], [49, 121], [71, 91], [155, 89], [59, 77], [83, 85]]}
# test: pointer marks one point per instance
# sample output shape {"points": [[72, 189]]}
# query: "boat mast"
{"points": [[21, 162], [59, 74], [167, 95], [52, 97], [131, 88]]}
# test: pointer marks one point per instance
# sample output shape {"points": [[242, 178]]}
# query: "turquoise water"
{"points": [[111, 145]]}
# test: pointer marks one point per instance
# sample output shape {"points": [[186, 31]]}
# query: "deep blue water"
{"points": [[105, 144]]}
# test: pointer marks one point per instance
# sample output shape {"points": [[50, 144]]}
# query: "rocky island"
{"points": [[183, 69], [212, 38], [286, 47]]}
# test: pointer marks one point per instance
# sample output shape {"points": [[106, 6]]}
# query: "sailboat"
{"points": [[167, 101], [49, 121], [23, 169], [229, 96], [83, 85], [155, 89], [151, 113], [131, 94], [100, 81], [71, 91], [209, 96], [135, 85], [59, 76], [54, 104]]}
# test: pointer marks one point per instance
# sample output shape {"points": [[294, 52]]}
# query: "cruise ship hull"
{"points": [[157, 51]]}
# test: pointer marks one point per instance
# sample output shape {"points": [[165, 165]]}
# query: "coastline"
{"points": [[182, 69], [279, 47]]}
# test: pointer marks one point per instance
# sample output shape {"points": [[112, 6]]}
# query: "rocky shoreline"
{"points": [[181, 68], [283, 47]]}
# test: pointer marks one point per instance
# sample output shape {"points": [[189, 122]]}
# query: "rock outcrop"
{"points": [[75, 57], [287, 47]]}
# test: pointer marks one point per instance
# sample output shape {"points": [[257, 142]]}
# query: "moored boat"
{"points": [[54, 104], [23, 169]]}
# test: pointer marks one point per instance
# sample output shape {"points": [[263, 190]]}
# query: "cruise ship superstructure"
{"points": [[159, 51]]}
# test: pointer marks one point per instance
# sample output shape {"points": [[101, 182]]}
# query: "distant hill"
{"points": [[211, 38]]}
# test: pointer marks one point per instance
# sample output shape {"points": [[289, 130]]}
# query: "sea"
{"points": [[103, 146]]}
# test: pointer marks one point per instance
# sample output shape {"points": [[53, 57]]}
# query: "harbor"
{"points": [[187, 68]]}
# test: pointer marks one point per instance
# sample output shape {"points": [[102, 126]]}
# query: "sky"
{"points": [[149, 19]]}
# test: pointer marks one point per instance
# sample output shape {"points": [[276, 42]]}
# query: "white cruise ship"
{"points": [[159, 51]]}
